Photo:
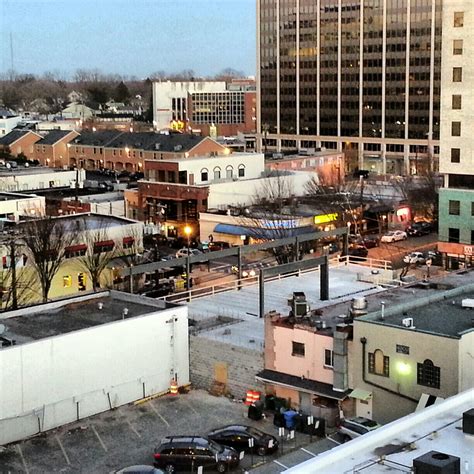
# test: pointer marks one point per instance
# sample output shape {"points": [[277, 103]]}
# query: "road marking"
{"points": [[66, 457], [104, 447], [20, 452], [132, 428], [280, 464], [333, 440], [157, 414], [308, 451], [190, 406]]}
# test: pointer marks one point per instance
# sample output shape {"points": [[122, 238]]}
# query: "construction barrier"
{"points": [[252, 397], [174, 388]]}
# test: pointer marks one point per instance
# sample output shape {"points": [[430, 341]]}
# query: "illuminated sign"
{"points": [[325, 218]]}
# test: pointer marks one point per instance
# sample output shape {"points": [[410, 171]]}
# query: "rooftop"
{"points": [[13, 136], [14, 196], [54, 136], [393, 447], [30, 170], [74, 314]]}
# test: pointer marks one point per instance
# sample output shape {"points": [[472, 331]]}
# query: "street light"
{"points": [[187, 232]]}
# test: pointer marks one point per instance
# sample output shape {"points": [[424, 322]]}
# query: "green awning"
{"points": [[360, 394]]}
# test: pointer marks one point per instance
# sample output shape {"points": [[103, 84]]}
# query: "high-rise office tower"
{"points": [[358, 75], [456, 161]]}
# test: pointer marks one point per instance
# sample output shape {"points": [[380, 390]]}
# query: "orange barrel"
{"points": [[249, 397], [174, 387]]}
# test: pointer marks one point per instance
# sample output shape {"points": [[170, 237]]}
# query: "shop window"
{"points": [[297, 349], [428, 374]]}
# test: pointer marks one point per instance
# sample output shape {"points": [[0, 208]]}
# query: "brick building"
{"points": [[20, 141]]}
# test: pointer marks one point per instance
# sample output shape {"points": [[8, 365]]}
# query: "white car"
{"points": [[394, 236], [184, 252], [352, 428], [414, 257]]}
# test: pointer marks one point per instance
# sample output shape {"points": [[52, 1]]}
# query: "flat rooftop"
{"points": [[74, 314], [14, 196], [393, 447], [31, 170]]}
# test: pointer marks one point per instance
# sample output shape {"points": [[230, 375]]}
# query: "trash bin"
{"points": [[289, 416], [279, 403], [255, 411], [279, 420], [270, 402], [300, 422], [317, 428]]}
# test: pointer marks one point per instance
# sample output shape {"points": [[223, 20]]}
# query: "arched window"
{"points": [[217, 173], [241, 171], [229, 172], [204, 175], [379, 364], [428, 374]]}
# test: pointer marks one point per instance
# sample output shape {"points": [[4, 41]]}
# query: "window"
{"points": [[67, 281], [458, 19], [457, 74], [241, 171], [298, 349], [328, 358], [472, 209], [454, 208], [379, 364], [128, 242], [104, 246], [456, 102], [472, 237], [455, 129], [457, 47], [453, 235], [229, 172], [428, 374], [455, 155], [217, 173], [204, 175]]}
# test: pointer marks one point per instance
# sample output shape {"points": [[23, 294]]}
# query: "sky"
{"points": [[129, 37]]}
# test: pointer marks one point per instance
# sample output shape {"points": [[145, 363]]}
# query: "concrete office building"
{"points": [[359, 76], [456, 199]]}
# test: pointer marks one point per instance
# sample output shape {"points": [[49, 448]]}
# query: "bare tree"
{"points": [[101, 250], [46, 241]]}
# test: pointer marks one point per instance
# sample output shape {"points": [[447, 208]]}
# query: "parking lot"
{"points": [[127, 436]]}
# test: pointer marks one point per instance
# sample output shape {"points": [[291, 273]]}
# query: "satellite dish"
{"points": [[3, 328]]}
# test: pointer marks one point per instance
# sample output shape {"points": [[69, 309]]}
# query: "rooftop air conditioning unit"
{"points": [[407, 322]]}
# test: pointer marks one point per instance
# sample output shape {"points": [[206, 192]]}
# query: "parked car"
{"points": [[238, 436], [394, 236], [140, 470], [351, 428], [219, 245], [414, 257], [358, 251], [435, 257], [183, 453], [369, 241], [417, 229], [184, 252]]}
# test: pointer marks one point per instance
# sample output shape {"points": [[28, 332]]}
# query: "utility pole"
{"points": [[361, 202], [12, 244]]}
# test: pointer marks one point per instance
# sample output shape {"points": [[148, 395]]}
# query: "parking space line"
{"points": [[333, 440], [66, 457], [132, 428], [280, 464], [308, 451], [157, 414], [104, 447], [23, 460], [190, 406]]}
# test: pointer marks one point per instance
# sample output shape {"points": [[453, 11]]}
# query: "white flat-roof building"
{"points": [[14, 205], [73, 358]]}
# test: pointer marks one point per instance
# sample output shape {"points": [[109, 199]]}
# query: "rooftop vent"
{"points": [[178, 147], [408, 323], [468, 422], [157, 146], [298, 304], [435, 462]]}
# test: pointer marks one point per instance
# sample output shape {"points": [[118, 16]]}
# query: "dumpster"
{"points": [[270, 402], [279, 420], [289, 416], [255, 411]]}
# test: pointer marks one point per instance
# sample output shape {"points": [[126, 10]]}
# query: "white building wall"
{"points": [[47, 383], [30, 182], [254, 164], [164, 92], [466, 362], [32, 206], [8, 124], [465, 88], [244, 192]]}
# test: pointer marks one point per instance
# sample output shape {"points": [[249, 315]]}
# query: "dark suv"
{"points": [[187, 453], [417, 229]]}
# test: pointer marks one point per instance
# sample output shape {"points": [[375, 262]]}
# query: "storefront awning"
{"points": [[301, 384], [262, 233], [360, 394]]}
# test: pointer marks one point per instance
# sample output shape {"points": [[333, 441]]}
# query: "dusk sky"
{"points": [[132, 37]]}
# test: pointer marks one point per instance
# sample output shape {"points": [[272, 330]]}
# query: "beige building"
{"points": [[410, 354]]}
